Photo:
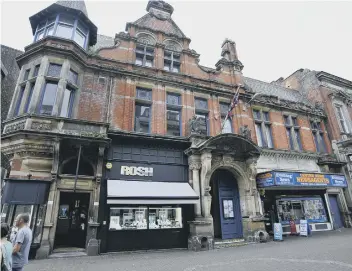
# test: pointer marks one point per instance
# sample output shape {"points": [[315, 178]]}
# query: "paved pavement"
{"points": [[323, 251]]}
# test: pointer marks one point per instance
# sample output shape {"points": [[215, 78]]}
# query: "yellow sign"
{"points": [[108, 165]]}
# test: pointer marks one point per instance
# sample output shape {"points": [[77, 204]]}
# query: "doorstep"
{"points": [[237, 242], [68, 252]]}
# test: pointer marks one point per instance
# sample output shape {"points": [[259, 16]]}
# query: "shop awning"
{"points": [[299, 179], [141, 192], [25, 192]]}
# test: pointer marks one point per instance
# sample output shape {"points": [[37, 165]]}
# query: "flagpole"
{"points": [[230, 109]]}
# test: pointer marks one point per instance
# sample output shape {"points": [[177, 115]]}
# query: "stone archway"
{"points": [[236, 154]]}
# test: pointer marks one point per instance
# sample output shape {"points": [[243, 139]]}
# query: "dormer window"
{"points": [[63, 26], [144, 55]]}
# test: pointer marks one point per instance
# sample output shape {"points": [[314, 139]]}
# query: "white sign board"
{"points": [[303, 228]]}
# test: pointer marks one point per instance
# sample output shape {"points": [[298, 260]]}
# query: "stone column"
{"points": [[205, 195], [194, 166]]}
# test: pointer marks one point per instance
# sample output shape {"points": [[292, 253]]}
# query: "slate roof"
{"points": [[76, 4], [102, 42], [167, 26], [274, 90]]}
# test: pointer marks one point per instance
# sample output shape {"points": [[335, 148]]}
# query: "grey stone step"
{"points": [[218, 243]]}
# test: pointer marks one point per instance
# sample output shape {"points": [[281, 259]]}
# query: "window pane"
{"points": [[82, 28], [54, 70], [298, 139], [64, 31], [128, 218], [29, 98], [227, 126], [36, 70], [266, 116], [294, 121], [201, 103], [40, 34], [140, 50], [290, 139], [72, 77], [66, 19], [176, 68], [144, 94], [142, 118], [165, 218], [256, 115], [149, 63], [173, 99], [139, 60], [50, 30], [66, 103], [19, 101], [37, 235], [80, 38], [322, 146], [203, 123], [287, 120], [316, 141], [26, 74], [167, 66], [173, 122], [167, 55], [258, 131], [224, 108], [48, 99], [268, 136]]}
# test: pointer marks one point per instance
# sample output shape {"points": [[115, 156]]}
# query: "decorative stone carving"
{"points": [[145, 38], [245, 132], [172, 45], [40, 126], [194, 125], [194, 165], [15, 127]]}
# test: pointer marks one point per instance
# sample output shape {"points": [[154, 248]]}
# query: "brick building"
{"points": [[121, 140], [335, 94]]}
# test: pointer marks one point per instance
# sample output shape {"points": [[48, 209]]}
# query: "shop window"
{"points": [[263, 128], [48, 98], [29, 98], [293, 133], [54, 70], [171, 61], [36, 215], [318, 135], [36, 70], [144, 55], [85, 168], [227, 126], [309, 208], [19, 100], [143, 218], [67, 103], [342, 118]]}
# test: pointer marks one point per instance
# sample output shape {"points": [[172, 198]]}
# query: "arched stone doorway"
{"points": [[225, 205]]}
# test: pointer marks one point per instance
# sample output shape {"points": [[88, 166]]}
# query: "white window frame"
{"points": [[346, 129]]}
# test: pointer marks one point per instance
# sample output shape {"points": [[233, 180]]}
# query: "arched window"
{"points": [[85, 168]]}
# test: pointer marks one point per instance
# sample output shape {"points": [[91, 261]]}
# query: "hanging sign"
{"points": [[277, 232], [303, 228]]}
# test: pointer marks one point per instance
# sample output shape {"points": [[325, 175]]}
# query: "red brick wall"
{"points": [[278, 129]]}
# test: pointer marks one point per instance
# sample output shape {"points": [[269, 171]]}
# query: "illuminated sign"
{"points": [[137, 171]]}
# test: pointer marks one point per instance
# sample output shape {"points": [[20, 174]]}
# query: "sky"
{"points": [[273, 39]]}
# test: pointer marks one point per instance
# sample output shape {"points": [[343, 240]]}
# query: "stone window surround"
{"points": [[263, 122], [338, 103], [296, 146], [39, 83]]}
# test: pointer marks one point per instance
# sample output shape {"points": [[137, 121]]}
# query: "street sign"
{"points": [[303, 228], [277, 232]]}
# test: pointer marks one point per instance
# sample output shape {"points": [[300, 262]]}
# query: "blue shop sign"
{"points": [[278, 178]]}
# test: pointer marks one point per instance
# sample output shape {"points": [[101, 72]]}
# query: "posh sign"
{"points": [[137, 171]]}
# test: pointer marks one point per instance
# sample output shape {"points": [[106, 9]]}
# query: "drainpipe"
{"points": [[77, 167]]}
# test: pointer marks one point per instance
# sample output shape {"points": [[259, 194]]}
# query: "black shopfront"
{"points": [[146, 200]]}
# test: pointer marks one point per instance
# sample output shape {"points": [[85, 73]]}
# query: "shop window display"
{"points": [[311, 209], [142, 218]]}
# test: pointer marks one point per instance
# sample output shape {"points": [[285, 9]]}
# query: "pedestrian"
{"points": [[6, 249], [21, 243]]}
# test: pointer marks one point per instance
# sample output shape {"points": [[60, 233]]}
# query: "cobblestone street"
{"points": [[323, 252]]}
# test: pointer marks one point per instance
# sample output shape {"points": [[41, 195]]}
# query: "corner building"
{"points": [[120, 139]]}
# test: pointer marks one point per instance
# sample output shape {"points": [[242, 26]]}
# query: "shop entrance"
{"points": [[71, 228], [225, 206], [335, 212]]}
